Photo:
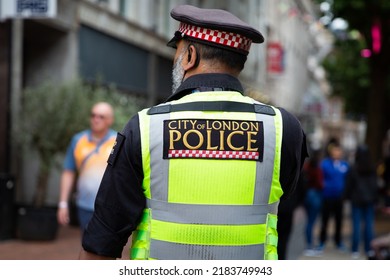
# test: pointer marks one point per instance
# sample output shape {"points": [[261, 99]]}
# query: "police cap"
{"points": [[214, 27]]}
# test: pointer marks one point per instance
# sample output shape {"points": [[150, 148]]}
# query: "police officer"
{"points": [[200, 176]]}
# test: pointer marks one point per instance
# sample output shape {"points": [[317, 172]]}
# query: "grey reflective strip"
{"points": [[159, 169], [211, 214], [265, 169], [162, 250]]}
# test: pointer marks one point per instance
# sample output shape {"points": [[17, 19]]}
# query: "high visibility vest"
{"points": [[211, 163]]}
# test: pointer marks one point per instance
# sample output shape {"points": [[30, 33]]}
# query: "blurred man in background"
{"points": [[84, 165], [334, 170]]}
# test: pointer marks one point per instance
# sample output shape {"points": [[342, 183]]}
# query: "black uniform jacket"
{"points": [[120, 200]]}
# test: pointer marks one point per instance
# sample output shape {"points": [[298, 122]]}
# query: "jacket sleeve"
{"points": [[294, 153]]}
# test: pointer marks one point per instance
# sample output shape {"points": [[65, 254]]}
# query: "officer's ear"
{"points": [[193, 58]]}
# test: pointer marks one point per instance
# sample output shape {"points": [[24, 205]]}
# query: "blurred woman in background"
{"points": [[362, 190]]}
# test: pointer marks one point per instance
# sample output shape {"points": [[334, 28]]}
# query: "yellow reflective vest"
{"points": [[211, 164]]}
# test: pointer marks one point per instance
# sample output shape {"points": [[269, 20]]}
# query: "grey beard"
{"points": [[177, 73]]}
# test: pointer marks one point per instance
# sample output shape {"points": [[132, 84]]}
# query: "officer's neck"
{"points": [[210, 67]]}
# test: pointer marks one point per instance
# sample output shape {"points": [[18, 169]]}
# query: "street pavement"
{"points": [[67, 244], [296, 248]]}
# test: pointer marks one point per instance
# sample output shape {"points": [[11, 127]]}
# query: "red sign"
{"points": [[275, 63]]}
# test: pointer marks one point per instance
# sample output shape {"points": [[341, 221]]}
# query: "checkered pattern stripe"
{"points": [[228, 39], [213, 154]]}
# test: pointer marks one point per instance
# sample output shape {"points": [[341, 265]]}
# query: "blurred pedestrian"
{"points": [[313, 197], [334, 170], [362, 190], [200, 176], [84, 165]]}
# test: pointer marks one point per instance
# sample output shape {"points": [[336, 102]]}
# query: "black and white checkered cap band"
{"points": [[228, 39]]}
